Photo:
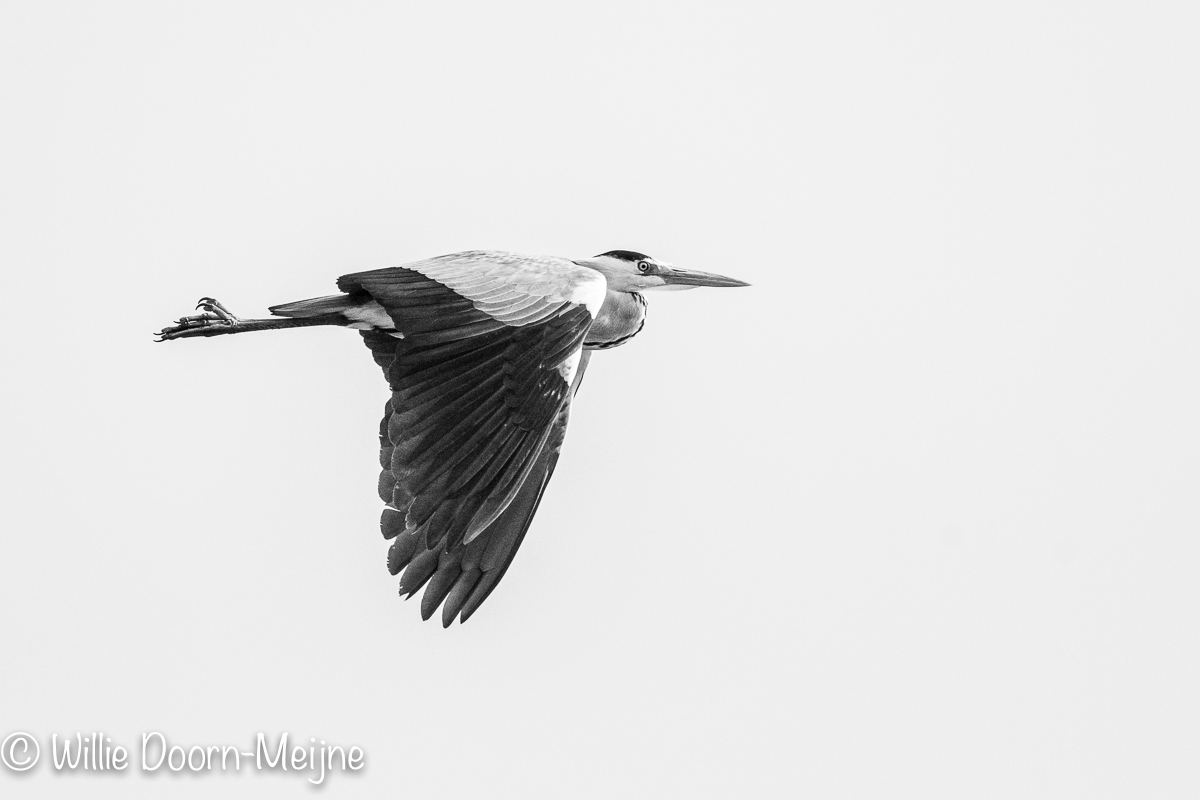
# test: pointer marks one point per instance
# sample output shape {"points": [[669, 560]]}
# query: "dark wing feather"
{"points": [[472, 431]]}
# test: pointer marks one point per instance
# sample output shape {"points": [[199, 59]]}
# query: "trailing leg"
{"points": [[216, 320]]}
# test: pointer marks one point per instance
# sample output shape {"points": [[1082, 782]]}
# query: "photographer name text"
{"points": [[96, 752]]}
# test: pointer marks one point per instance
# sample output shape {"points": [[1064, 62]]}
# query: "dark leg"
{"points": [[216, 320]]}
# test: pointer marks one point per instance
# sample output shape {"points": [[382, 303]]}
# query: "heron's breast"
{"points": [[621, 317]]}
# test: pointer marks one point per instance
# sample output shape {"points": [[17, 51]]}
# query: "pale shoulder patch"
{"points": [[591, 291]]}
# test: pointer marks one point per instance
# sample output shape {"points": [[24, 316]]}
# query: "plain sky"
{"points": [[916, 516]]}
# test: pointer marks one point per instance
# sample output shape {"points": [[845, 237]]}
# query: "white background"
{"points": [[915, 516]]}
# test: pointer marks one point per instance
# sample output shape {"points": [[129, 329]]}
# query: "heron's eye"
{"points": [[643, 266]]}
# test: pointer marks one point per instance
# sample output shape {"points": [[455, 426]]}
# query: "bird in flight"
{"points": [[483, 351]]}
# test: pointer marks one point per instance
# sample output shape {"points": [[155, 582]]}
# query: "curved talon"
{"points": [[214, 307]]}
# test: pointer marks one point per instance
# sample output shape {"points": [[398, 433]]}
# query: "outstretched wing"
{"points": [[483, 356]]}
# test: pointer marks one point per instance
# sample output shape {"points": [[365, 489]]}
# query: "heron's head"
{"points": [[628, 271]]}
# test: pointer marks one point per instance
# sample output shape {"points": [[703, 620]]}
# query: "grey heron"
{"points": [[483, 351]]}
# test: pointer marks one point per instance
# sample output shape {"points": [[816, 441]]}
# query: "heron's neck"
{"points": [[621, 317]]}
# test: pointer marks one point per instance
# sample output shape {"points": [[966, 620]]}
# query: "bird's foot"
{"points": [[215, 320]]}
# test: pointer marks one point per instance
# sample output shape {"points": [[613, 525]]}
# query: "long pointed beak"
{"points": [[688, 277]]}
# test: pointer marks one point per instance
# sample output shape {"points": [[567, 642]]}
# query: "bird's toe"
{"points": [[194, 325], [212, 306]]}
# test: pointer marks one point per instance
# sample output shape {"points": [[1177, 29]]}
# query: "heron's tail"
{"points": [[357, 310], [316, 307]]}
